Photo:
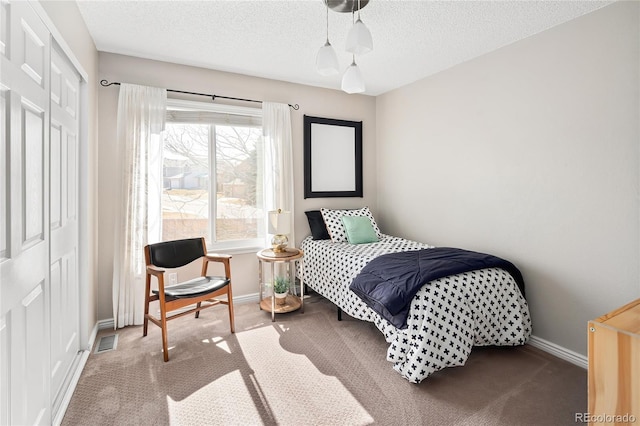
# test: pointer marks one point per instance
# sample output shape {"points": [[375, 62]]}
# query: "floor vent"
{"points": [[106, 343]]}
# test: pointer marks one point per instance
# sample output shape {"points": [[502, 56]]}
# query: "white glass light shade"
{"points": [[327, 60], [359, 40], [279, 222], [352, 81]]}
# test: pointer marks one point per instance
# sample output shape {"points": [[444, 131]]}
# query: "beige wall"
{"points": [[312, 101], [67, 20], [529, 153]]}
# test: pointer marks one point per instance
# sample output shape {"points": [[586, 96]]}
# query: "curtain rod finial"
{"points": [[105, 83]]}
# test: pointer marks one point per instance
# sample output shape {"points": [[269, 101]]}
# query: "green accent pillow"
{"points": [[359, 230]]}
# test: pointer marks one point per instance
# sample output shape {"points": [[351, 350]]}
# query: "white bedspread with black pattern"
{"points": [[448, 316]]}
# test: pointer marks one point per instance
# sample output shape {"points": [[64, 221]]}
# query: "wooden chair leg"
{"points": [[163, 325], [146, 305], [165, 345], [230, 306], [198, 312]]}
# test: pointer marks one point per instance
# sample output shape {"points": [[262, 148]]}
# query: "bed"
{"points": [[446, 317]]}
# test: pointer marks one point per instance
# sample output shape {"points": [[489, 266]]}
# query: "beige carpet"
{"points": [[310, 369]]}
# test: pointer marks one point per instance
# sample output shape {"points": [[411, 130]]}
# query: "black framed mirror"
{"points": [[332, 157]]}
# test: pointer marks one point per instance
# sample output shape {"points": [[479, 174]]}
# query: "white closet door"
{"points": [[39, 289], [24, 268], [65, 309]]}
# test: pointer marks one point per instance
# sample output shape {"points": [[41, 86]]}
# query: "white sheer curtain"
{"points": [[141, 118], [278, 161]]}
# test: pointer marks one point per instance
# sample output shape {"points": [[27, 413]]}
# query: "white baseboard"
{"points": [[560, 352], [104, 324], [247, 298], [83, 357], [109, 323]]}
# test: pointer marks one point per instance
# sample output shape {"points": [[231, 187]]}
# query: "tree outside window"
{"points": [[212, 171]]}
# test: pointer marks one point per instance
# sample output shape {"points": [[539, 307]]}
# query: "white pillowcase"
{"points": [[333, 221]]}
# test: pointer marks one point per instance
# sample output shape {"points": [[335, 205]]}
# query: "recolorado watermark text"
{"points": [[604, 418]]}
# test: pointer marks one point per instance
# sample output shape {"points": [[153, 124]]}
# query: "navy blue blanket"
{"points": [[389, 282]]}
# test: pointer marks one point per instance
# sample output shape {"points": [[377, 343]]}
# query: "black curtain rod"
{"points": [[105, 83]]}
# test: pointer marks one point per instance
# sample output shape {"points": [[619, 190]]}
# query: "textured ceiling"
{"points": [[279, 39]]}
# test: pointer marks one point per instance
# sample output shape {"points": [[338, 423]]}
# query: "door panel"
{"points": [[39, 287], [33, 122], [4, 27], [56, 84], [30, 353], [64, 304], [32, 51], [55, 183], [4, 373], [72, 183], [4, 193], [65, 299], [24, 271], [71, 98]]}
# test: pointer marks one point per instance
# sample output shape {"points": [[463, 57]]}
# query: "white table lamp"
{"points": [[280, 227]]}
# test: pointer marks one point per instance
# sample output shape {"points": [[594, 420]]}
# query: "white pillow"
{"points": [[333, 221]]}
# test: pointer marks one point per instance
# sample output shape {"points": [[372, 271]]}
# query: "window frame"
{"points": [[235, 246]]}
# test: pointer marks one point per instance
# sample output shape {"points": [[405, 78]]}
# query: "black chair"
{"points": [[201, 292]]}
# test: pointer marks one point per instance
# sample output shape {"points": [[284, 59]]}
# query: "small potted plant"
{"points": [[280, 289]]}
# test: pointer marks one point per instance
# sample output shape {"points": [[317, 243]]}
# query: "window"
{"points": [[212, 179]]}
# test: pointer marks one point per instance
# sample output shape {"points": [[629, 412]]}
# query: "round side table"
{"points": [[287, 261]]}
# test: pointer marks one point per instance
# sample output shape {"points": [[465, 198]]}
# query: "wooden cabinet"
{"points": [[614, 366]]}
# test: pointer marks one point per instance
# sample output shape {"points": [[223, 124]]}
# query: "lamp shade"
{"points": [[359, 40], [352, 81], [327, 60], [279, 222]]}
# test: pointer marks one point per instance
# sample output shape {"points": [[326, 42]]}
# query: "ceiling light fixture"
{"points": [[359, 42], [326, 60], [352, 81]]}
